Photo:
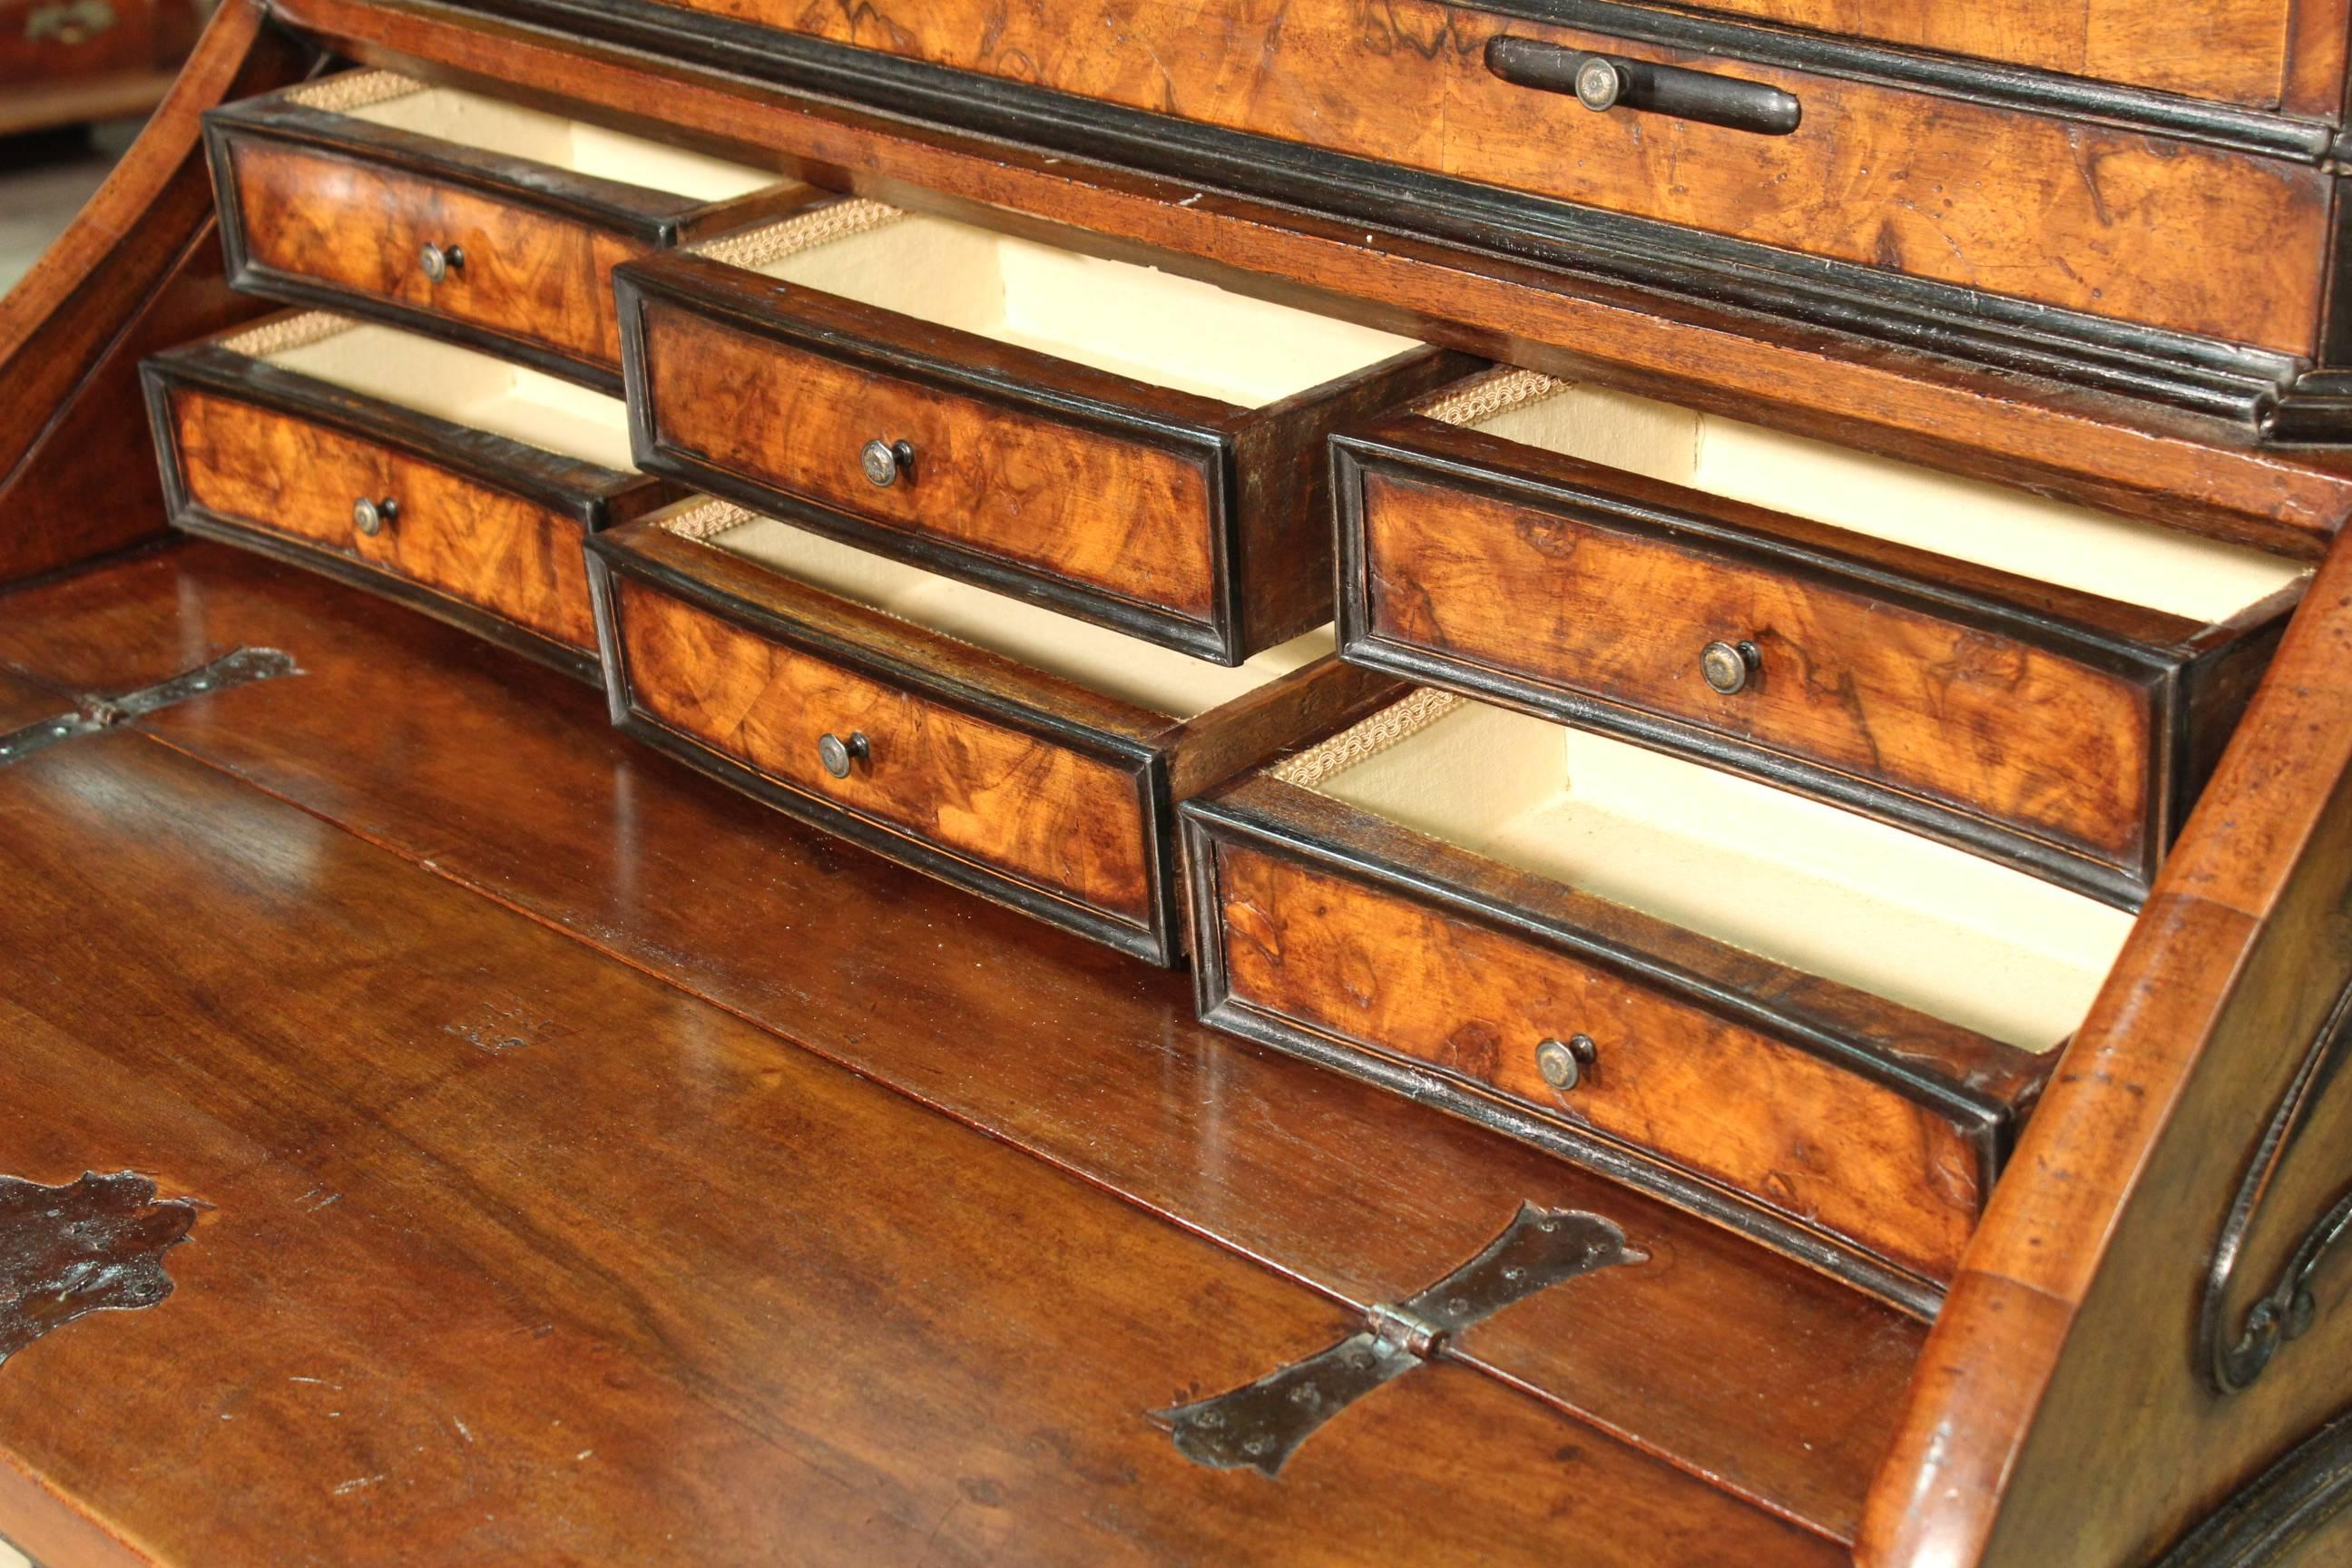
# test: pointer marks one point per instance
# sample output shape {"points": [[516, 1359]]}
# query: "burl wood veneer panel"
{"points": [[2165, 231], [476, 543], [1067, 823], [356, 225], [1820, 1144], [1087, 505]]}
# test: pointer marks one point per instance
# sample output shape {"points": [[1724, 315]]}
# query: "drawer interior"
{"points": [[1809, 884], [2006, 530], [491, 125], [1135, 321], [1103, 660], [448, 383]]}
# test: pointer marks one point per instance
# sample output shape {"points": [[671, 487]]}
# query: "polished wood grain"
{"points": [[1726, 1101], [1117, 514], [2181, 470], [357, 227], [139, 270], [510, 1251], [2233, 49], [2062, 720], [499, 551], [2153, 229], [1071, 823], [2083, 1284], [1770, 1380]]}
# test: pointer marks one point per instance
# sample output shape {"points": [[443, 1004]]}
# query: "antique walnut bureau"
{"points": [[881, 783]]}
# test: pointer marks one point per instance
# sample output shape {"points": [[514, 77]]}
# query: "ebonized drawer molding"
{"points": [[873, 717], [330, 196], [356, 478], [2053, 728], [1577, 942], [1173, 488]]}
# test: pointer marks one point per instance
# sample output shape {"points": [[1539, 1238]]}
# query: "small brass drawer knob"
{"points": [[372, 517], [885, 462], [1730, 667], [1562, 1062], [839, 755], [438, 262]]}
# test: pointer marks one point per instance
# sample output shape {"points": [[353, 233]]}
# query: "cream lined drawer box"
{"points": [[1818, 1023], [1139, 449], [1018, 753], [469, 218], [449, 481], [2039, 682]]}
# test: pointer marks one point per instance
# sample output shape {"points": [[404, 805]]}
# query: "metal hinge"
{"points": [[92, 714], [1262, 1424]]}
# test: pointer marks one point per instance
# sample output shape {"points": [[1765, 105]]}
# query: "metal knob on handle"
{"points": [[1603, 82], [839, 755], [887, 462], [1562, 1063], [372, 517], [1727, 667], [439, 262]]}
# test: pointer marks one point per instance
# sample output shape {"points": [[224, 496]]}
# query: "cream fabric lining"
{"points": [[447, 382], [1103, 660], [492, 125], [2008, 529], [1806, 884], [1136, 321]]}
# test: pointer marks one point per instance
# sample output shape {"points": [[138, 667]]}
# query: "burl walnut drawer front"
{"points": [[1911, 167], [1834, 1022], [1594, 557], [1135, 448], [478, 220], [426, 472], [1031, 758]]}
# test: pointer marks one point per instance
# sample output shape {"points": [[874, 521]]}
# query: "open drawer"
{"points": [[1816, 1023], [1138, 449], [469, 218], [431, 473], [2039, 682], [1024, 755]]}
